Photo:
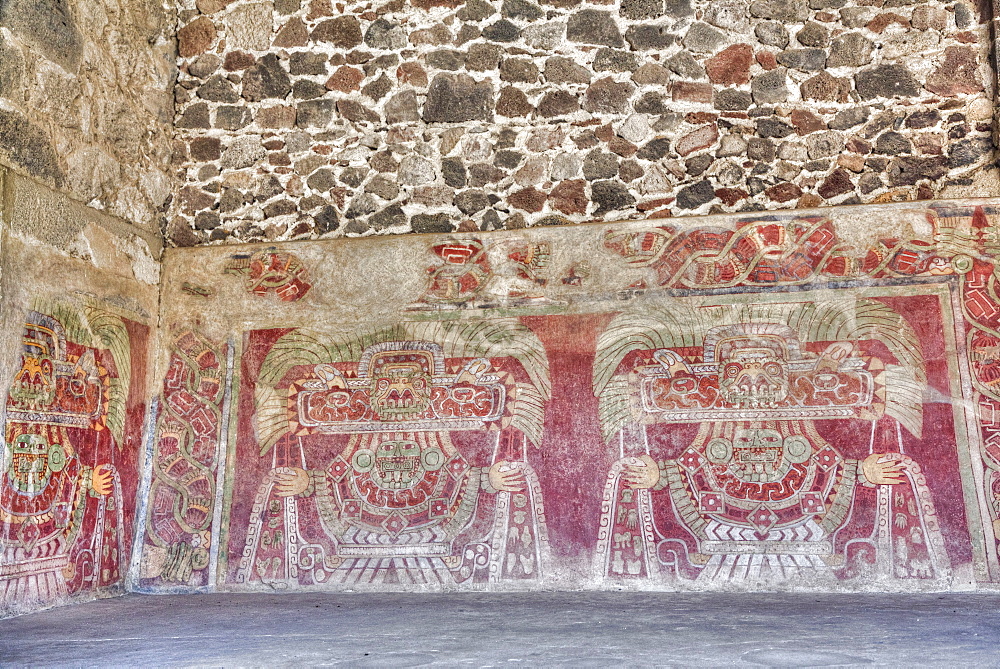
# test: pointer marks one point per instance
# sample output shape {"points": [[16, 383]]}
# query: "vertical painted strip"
{"points": [[220, 468], [230, 462], [142, 496], [970, 459]]}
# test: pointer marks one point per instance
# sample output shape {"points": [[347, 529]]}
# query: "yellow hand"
{"points": [[504, 479], [291, 481], [889, 472], [642, 474], [101, 480]]}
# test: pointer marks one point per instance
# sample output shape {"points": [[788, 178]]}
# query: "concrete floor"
{"points": [[573, 629]]}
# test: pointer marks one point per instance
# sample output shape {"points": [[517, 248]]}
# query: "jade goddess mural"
{"points": [[399, 456], [770, 486], [62, 516]]}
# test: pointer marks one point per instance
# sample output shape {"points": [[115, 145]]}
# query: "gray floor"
{"points": [[573, 629]]}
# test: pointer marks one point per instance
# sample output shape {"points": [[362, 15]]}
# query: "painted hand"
{"points": [[641, 472], [290, 481], [101, 480], [505, 479], [889, 472]]}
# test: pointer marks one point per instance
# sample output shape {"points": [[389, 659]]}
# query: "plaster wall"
{"points": [[78, 303], [791, 400]]}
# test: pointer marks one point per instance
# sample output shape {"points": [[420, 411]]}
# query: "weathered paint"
{"points": [[793, 400]]}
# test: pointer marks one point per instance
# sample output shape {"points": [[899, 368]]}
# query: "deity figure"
{"points": [[759, 495], [61, 514], [407, 464]]}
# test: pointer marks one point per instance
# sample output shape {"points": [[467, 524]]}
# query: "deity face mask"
{"points": [[753, 378], [759, 455], [31, 461], [34, 385], [400, 390], [398, 465]]}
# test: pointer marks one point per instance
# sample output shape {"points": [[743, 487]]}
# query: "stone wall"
{"points": [[308, 118], [85, 100], [78, 303], [786, 400]]}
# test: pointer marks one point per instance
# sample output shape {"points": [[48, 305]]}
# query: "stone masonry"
{"points": [[85, 100], [307, 118]]}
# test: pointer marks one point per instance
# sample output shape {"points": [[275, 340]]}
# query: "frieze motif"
{"points": [[268, 271], [798, 251], [400, 385], [758, 371], [470, 273]]}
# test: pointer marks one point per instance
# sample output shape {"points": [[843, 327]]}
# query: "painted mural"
{"points": [[777, 401], [181, 500], [477, 273], [69, 471], [760, 491], [396, 456], [271, 272]]}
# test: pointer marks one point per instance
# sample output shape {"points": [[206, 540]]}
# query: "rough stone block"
{"points": [[731, 66], [850, 50], [886, 81], [643, 37], [593, 26], [196, 37], [703, 38], [807, 60], [786, 11], [640, 10], [958, 74], [610, 196], [729, 15], [266, 79], [608, 96], [458, 98], [50, 27], [243, 152], [343, 32], [692, 91], [249, 27], [25, 145]]}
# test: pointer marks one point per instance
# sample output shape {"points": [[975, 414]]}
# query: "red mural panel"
{"points": [[406, 462], [182, 497], [74, 419], [802, 456], [574, 458], [756, 443]]}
